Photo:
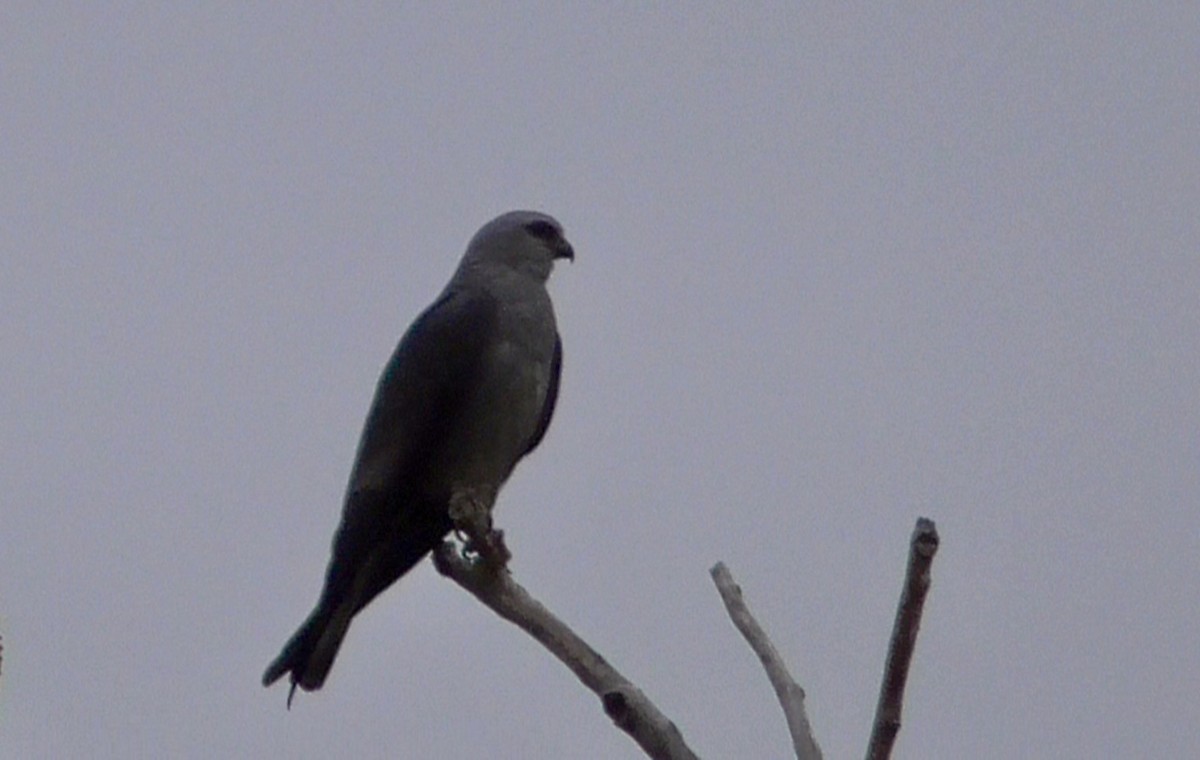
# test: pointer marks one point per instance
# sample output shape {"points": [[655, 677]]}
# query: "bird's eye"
{"points": [[542, 229]]}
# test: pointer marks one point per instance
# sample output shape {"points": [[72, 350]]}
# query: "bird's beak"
{"points": [[565, 251]]}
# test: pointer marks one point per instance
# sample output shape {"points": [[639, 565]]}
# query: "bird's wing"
{"points": [[551, 397], [433, 369]]}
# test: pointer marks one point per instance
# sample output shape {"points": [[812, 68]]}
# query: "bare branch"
{"points": [[789, 693], [922, 547], [623, 702]]}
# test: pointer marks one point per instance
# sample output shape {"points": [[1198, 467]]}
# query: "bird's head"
{"points": [[525, 241]]}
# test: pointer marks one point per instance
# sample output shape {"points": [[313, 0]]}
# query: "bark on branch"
{"points": [[922, 547], [623, 702], [481, 568], [789, 693]]}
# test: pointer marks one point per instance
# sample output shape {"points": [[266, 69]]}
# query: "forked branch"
{"points": [[484, 573]]}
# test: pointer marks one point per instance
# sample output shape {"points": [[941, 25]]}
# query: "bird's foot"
{"points": [[486, 546], [473, 526]]}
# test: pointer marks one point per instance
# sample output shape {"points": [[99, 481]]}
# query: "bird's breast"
{"points": [[501, 413]]}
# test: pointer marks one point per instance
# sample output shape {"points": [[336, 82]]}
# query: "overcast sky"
{"points": [[837, 268]]}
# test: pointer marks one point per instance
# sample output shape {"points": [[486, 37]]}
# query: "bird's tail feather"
{"points": [[310, 653], [349, 587]]}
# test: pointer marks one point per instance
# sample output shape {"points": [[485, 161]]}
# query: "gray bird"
{"points": [[468, 392]]}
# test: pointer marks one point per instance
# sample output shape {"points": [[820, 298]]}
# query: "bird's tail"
{"points": [[309, 654], [356, 575]]}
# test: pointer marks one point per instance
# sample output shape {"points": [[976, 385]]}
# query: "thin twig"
{"points": [[623, 702], [922, 547], [789, 693]]}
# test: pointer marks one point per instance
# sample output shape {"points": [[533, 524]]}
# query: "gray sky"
{"points": [[836, 269]]}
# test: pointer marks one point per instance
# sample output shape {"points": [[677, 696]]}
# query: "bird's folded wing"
{"points": [[433, 370]]}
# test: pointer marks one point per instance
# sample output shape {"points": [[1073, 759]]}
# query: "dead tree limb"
{"points": [[623, 702], [789, 693], [481, 569], [922, 547]]}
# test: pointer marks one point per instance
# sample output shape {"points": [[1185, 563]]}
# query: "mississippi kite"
{"points": [[468, 392]]}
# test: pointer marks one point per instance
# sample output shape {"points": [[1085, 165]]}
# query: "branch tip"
{"points": [[922, 547], [787, 691]]}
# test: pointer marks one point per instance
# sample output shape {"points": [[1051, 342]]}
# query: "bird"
{"points": [[468, 392]]}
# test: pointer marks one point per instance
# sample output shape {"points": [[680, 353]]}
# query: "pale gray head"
{"points": [[523, 241]]}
